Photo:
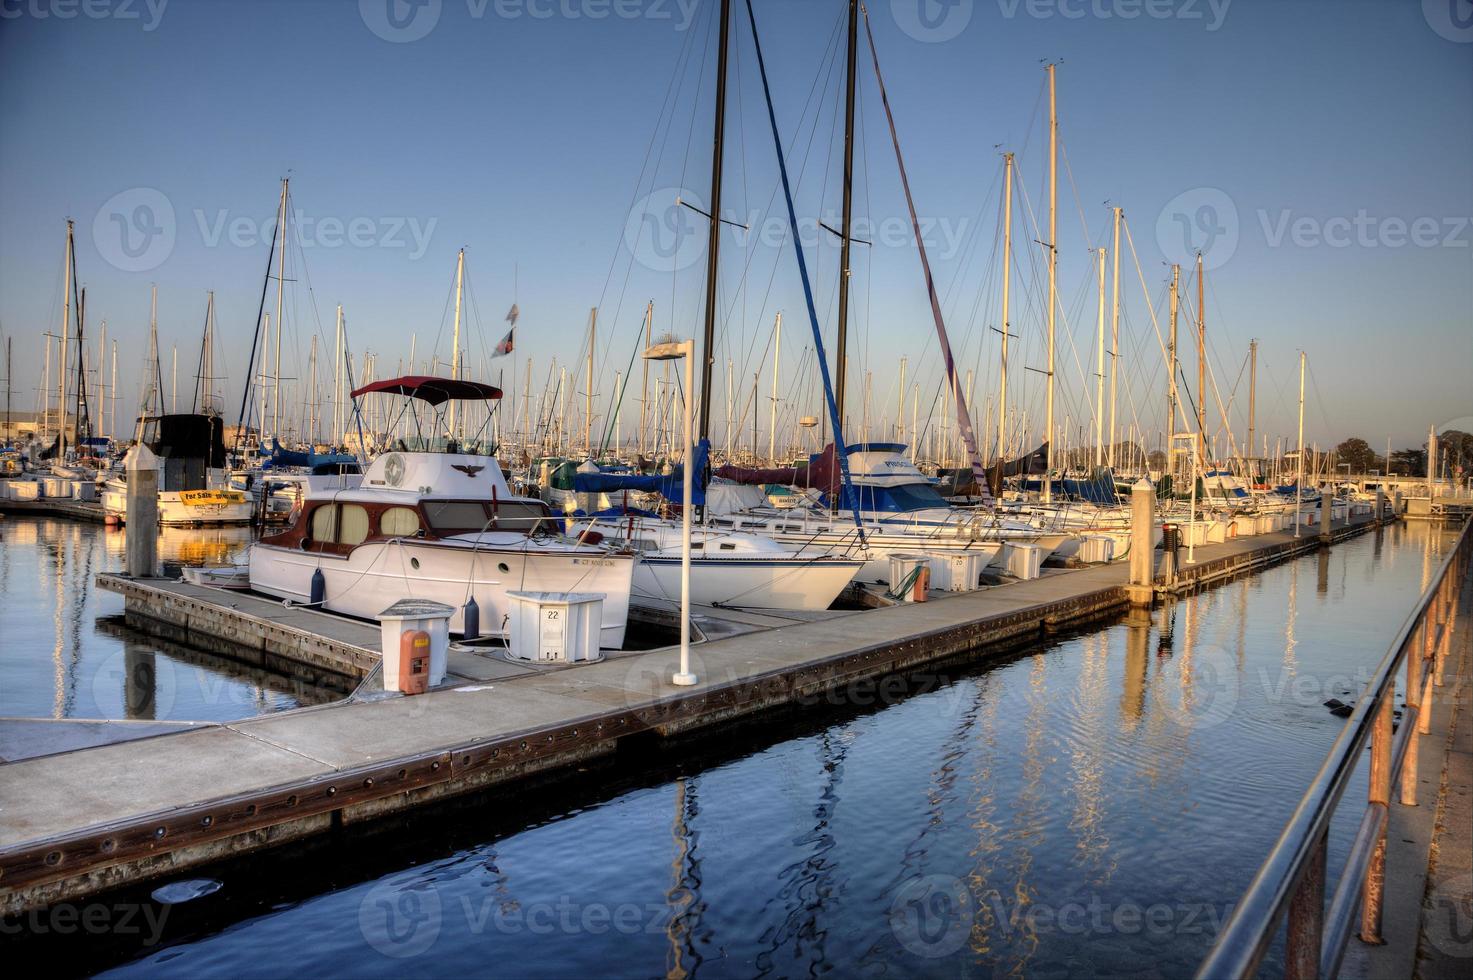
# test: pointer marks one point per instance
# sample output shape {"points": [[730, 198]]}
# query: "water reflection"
{"points": [[1099, 802], [68, 653]]}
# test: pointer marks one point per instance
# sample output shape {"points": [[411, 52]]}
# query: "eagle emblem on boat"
{"points": [[468, 469]]}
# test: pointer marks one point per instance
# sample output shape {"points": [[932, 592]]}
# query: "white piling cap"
{"points": [[1143, 482], [140, 457]]}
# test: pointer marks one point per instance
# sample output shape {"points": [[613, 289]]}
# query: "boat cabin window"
{"points": [[325, 524], [353, 525], [399, 522], [456, 516]]}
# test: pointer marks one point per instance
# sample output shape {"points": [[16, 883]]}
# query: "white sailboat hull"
{"points": [[761, 581]]}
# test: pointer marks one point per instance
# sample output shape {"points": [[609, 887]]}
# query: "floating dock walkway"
{"points": [[80, 822]]}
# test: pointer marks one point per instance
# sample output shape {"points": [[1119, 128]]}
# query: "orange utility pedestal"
{"points": [[414, 662]]}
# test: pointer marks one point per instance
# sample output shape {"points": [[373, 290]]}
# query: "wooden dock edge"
{"points": [[240, 635]]}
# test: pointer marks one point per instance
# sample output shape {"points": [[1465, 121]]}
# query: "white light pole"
{"points": [[676, 350]]}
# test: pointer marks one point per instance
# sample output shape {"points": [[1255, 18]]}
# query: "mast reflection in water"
{"points": [[1091, 806], [68, 654]]}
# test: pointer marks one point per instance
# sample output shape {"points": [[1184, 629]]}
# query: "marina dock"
{"points": [[84, 821]]}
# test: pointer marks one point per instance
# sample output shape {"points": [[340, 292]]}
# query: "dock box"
{"points": [[1023, 561], [555, 627], [902, 567], [1094, 548]]}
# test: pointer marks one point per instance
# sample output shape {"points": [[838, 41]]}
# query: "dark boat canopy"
{"points": [[431, 389]]}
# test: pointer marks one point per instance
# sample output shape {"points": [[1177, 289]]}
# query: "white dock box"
{"points": [[24, 489], [1194, 533], [55, 486], [1247, 525], [408, 615], [901, 567], [1095, 548], [1024, 561], [555, 627], [957, 571], [84, 490], [1217, 531]]}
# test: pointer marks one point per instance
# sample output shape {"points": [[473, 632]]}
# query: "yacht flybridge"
{"points": [[431, 522]]}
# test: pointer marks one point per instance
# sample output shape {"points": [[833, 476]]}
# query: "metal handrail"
{"points": [[1291, 881]]}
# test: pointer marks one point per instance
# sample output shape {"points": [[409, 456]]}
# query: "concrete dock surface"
{"points": [[1427, 920]]}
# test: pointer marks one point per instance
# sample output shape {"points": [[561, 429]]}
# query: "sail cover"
{"points": [[670, 487]]}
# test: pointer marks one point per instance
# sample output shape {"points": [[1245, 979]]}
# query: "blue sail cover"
{"points": [[670, 487], [310, 461], [1099, 489]]}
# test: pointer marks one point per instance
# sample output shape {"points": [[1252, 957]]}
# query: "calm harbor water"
{"points": [[68, 654], [1092, 806]]}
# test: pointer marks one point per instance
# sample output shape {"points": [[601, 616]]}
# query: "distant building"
{"points": [[23, 427]]}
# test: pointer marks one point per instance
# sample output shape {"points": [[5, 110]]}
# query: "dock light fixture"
{"points": [[676, 350]]}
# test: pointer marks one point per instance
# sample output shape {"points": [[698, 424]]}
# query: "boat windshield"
{"points": [[899, 499], [440, 444], [448, 517]]}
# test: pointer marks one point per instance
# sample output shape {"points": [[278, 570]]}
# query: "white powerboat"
{"points": [[438, 525], [192, 481]]}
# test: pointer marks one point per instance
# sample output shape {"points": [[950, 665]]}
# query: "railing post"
{"points": [[1414, 704], [1434, 640], [1379, 796], [1307, 918], [1451, 586]]}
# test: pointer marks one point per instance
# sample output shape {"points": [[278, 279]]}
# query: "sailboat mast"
{"points": [[66, 316], [900, 405], [312, 393], [1171, 379], [1007, 276], [280, 284], [337, 380], [45, 389], [1100, 371], [455, 340], [527, 406], [772, 413], [1053, 269], [102, 378], [713, 241], [1299, 478], [588, 395], [1201, 363], [113, 388], [1252, 392], [261, 385], [1114, 330], [644, 384], [841, 350]]}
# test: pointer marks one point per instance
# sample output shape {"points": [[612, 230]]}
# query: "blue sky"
{"points": [[1329, 144]]}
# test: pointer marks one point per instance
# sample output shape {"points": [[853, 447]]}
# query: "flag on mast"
{"points": [[508, 342]]}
